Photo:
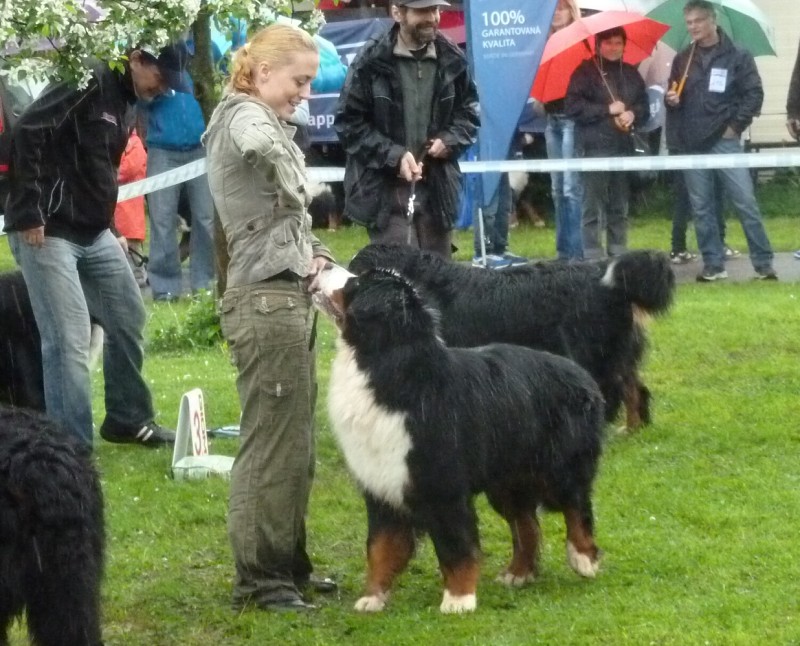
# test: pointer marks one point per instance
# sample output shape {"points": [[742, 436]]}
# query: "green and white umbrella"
{"points": [[745, 24]]}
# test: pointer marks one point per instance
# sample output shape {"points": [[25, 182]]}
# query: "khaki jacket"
{"points": [[258, 181]]}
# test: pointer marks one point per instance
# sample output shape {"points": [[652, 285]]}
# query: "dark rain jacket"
{"points": [[587, 104], [67, 148], [370, 126], [793, 99], [702, 116]]}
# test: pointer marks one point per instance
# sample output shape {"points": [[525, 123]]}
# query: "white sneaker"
{"points": [[492, 262]]}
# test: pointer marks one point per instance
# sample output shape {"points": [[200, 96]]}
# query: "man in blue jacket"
{"points": [[174, 126], [715, 92], [67, 148]]}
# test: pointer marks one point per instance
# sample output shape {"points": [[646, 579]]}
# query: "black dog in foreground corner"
{"points": [[424, 428], [591, 312], [21, 380], [51, 532], [21, 376]]}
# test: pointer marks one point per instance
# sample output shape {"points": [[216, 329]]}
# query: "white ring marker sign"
{"points": [[192, 435]]}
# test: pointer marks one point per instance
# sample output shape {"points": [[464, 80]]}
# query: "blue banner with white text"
{"points": [[505, 41]]}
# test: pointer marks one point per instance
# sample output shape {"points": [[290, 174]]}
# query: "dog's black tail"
{"points": [[645, 277]]}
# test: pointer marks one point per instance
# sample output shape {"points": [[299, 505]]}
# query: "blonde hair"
{"points": [[574, 11], [274, 45]]}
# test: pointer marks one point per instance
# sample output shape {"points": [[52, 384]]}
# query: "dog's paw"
{"points": [[372, 603], [582, 563], [452, 604], [515, 580]]}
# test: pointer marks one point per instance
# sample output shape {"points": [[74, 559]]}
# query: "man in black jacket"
{"points": [[67, 148], [715, 92], [408, 109]]}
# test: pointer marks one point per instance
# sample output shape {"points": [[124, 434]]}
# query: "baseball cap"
{"points": [[421, 4], [171, 60]]}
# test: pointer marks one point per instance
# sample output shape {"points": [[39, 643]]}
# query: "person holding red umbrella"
{"points": [[607, 98]]}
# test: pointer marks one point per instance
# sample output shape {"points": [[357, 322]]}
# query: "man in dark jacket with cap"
{"points": [[408, 109], [59, 214]]}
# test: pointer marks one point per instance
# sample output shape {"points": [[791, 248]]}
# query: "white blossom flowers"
{"points": [[63, 38]]}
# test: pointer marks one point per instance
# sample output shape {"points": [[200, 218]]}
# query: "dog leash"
{"points": [[413, 195], [410, 210]]}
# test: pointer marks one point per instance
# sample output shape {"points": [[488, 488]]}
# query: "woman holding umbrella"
{"points": [[559, 135], [606, 98]]}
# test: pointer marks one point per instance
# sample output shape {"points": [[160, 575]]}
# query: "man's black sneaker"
{"points": [[150, 434]]}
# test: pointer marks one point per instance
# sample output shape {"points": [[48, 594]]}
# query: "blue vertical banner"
{"points": [[505, 41]]}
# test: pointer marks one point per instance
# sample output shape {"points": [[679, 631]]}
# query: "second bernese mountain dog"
{"points": [[590, 312]]}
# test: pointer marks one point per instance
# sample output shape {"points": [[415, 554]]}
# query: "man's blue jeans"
{"points": [[67, 282], [559, 136], [164, 268], [738, 186]]}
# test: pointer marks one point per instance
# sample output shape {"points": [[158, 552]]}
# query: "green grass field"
{"points": [[696, 514]]}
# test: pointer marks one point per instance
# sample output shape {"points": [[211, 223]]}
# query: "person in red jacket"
{"points": [[129, 220]]}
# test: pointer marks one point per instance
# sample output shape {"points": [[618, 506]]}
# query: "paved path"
{"points": [[741, 269]]}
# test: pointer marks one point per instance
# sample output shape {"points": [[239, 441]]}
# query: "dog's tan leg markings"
{"points": [[583, 555], [460, 586], [631, 395], [524, 561], [388, 554]]}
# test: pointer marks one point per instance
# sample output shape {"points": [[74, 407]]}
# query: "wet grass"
{"points": [[696, 514]]}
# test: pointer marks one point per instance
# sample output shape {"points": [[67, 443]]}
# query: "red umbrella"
{"points": [[451, 24], [568, 47]]}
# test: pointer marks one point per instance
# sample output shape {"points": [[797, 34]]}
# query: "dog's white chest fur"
{"points": [[374, 440]]}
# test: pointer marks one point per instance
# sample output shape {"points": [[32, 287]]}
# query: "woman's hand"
{"points": [[317, 265]]}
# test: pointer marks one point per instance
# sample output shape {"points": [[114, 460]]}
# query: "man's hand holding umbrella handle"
{"points": [[672, 98]]}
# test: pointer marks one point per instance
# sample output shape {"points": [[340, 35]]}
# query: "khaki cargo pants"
{"points": [[269, 328]]}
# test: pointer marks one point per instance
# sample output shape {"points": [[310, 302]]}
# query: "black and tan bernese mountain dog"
{"points": [[51, 532], [592, 312], [424, 428]]}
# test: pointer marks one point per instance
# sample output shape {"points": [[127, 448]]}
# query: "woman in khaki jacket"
{"points": [[257, 177]]}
